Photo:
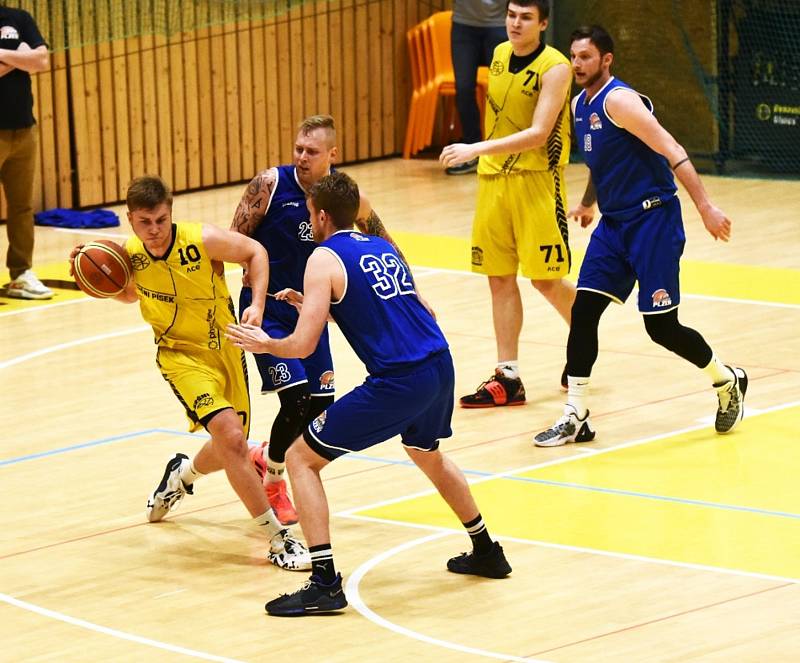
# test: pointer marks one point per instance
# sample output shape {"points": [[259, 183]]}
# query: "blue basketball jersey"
{"points": [[628, 176], [285, 231], [379, 312]]}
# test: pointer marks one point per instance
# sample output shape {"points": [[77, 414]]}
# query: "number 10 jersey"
{"points": [[182, 294]]}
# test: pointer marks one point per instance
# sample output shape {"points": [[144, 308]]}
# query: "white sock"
{"points": [[509, 368], [275, 469], [578, 395], [189, 474], [269, 522], [718, 372]]}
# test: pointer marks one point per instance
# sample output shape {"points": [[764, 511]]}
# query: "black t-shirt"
{"points": [[16, 98]]}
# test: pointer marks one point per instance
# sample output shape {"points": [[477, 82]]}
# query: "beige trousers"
{"points": [[18, 154]]}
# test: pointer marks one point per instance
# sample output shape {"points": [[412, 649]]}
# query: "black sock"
{"points": [[322, 563], [481, 541]]}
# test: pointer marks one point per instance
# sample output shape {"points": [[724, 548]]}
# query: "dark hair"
{"points": [[338, 195], [147, 192], [595, 34], [542, 5]]}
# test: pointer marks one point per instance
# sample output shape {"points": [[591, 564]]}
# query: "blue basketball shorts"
{"points": [[278, 373], [417, 405], [647, 249]]}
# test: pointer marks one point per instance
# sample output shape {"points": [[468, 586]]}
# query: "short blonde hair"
{"points": [[314, 122]]}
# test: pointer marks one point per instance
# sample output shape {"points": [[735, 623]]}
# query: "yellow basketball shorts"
{"points": [[207, 381], [521, 223]]}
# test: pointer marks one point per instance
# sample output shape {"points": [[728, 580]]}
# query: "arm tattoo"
{"points": [[590, 195], [254, 203], [372, 225]]}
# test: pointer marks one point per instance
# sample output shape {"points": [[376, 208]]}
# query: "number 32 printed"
{"points": [[390, 274]]}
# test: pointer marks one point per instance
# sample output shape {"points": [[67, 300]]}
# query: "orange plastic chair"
{"points": [[433, 78], [415, 107]]}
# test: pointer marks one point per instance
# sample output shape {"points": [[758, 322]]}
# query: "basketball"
{"points": [[102, 269]]}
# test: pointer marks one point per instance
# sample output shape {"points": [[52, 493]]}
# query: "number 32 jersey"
{"points": [[379, 313], [183, 294]]}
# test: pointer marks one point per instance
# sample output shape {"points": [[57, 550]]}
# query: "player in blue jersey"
{"points": [[361, 282], [640, 237], [273, 211]]}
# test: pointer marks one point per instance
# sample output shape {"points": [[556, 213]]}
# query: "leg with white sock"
{"points": [[582, 349]]}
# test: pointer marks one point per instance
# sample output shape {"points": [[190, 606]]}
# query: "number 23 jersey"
{"points": [[182, 295]]}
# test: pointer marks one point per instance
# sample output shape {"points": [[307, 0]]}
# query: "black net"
{"points": [[760, 84], [724, 75]]}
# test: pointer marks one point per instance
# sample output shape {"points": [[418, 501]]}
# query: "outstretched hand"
{"points": [[716, 222], [248, 337]]}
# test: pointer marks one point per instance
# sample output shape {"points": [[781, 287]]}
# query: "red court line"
{"points": [[661, 619]]}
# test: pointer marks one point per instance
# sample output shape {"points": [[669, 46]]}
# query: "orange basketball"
{"points": [[102, 269]]}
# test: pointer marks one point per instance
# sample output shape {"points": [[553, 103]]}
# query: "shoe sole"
{"points": [[499, 575], [287, 522], [14, 295], [488, 405], [547, 443], [305, 612]]}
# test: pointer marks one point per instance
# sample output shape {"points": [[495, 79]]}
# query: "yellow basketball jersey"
{"points": [[511, 103], [182, 295]]}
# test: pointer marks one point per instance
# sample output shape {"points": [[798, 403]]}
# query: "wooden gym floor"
{"points": [[660, 541]]}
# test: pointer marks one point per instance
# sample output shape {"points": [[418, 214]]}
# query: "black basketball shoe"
{"points": [[497, 390], [312, 598], [490, 565]]}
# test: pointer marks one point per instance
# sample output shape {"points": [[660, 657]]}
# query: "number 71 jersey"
{"points": [[379, 313], [182, 294]]}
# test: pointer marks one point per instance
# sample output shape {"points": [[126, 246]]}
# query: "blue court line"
{"points": [[75, 447], [408, 463]]}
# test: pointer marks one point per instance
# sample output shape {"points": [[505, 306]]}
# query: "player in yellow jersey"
{"points": [[520, 218], [178, 280]]}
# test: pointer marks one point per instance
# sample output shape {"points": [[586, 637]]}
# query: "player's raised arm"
{"points": [[227, 246], [627, 110]]}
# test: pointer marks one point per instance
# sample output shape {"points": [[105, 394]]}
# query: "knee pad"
{"points": [[663, 328]]}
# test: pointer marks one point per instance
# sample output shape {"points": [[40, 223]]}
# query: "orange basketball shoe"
{"points": [[258, 460], [276, 491], [280, 502]]}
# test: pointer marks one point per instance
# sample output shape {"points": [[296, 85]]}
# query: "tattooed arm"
{"points": [[254, 203], [369, 223], [253, 207]]}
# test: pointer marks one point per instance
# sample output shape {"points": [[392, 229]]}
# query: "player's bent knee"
{"points": [[662, 328]]}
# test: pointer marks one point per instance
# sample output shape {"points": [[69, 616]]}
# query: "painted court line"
{"points": [[589, 551], [130, 637], [71, 344], [75, 447], [506, 476], [354, 598], [556, 461]]}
